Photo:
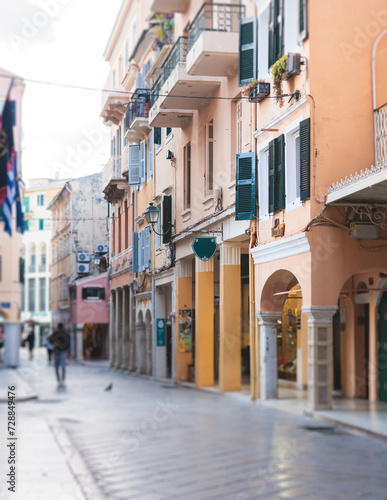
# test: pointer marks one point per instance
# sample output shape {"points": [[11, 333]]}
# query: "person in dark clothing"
{"points": [[31, 343], [60, 339]]}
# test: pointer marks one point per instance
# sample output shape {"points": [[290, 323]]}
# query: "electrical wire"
{"points": [[129, 93]]}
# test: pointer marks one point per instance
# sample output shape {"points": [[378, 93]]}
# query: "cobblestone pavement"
{"points": [[148, 440]]}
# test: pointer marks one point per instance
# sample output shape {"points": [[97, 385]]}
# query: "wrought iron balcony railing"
{"points": [[215, 17], [380, 116], [178, 54], [138, 107]]}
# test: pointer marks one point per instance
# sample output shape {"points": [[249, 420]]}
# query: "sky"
{"points": [[59, 41]]}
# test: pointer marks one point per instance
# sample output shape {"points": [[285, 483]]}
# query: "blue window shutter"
{"points": [[134, 165], [305, 159], [247, 50], [143, 241], [13, 111], [150, 154], [140, 251], [142, 161], [135, 252], [245, 186]]}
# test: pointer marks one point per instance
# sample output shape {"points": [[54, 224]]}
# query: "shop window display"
{"points": [[289, 330]]}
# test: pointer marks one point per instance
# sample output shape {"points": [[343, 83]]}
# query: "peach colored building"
{"points": [[11, 257]]}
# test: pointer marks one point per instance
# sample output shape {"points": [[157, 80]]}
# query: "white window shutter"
{"points": [[141, 251], [150, 157], [134, 165], [148, 247], [142, 161]]}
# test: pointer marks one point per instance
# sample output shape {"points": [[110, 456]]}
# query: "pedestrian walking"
{"points": [[31, 343], [50, 349], [60, 339]]}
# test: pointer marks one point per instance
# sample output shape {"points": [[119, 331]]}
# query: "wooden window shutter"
{"points": [[135, 252], [142, 161], [245, 186], [148, 247], [150, 154], [271, 177], [305, 159], [167, 219], [134, 165], [302, 20], [247, 50], [279, 178]]}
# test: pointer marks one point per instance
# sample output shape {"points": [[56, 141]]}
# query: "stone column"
{"points": [[320, 383], [112, 330], [230, 370], [117, 322], [268, 326], [148, 348], [140, 347], [78, 342], [204, 322], [125, 329], [132, 331], [183, 300]]}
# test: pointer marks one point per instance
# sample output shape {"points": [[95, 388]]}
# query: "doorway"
{"points": [[382, 352]]}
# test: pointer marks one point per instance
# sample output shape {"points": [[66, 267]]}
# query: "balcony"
{"points": [[137, 116], [213, 40], [380, 116], [176, 94], [114, 184], [113, 103], [166, 6]]}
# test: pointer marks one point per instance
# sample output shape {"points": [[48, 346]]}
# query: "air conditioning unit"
{"points": [[101, 248], [83, 268], [83, 257], [364, 230], [293, 66]]}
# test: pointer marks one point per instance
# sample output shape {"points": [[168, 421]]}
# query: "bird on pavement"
{"points": [[109, 387]]}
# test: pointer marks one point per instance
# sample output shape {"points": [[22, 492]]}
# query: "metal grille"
{"points": [[381, 135]]}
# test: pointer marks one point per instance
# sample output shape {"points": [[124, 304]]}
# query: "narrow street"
{"points": [[148, 440]]}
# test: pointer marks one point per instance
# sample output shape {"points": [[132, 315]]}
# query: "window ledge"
{"points": [[231, 188], [208, 202], [186, 214]]}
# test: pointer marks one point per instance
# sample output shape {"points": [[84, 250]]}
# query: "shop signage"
{"points": [[160, 323], [204, 247]]}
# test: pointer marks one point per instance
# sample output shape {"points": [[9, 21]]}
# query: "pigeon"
{"points": [[109, 387]]}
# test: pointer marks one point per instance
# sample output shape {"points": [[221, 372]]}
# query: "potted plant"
{"points": [[277, 70], [256, 90], [164, 30]]}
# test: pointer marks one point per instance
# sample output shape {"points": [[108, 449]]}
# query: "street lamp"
{"points": [[152, 216]]}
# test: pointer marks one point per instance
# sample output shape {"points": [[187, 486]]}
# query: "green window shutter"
{"points": [[167, 219], [168, 131], [25, 225], [245, 186], [303, 20], [157, 136], [279, 178], [135, 252], [247, 50], [271, 176], [41, 224], [275, 31], [305, 159]]}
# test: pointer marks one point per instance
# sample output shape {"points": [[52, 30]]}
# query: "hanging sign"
{"points": [[204, 247], [160, 332]]}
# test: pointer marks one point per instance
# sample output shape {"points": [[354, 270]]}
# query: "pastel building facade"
{"points": [[37, 254], [11, 248]]}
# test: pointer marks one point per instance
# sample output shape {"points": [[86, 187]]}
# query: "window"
{"points": [[40, 200], [26, 204], [93, 293], [168, 131], [43, 262], [209, 175], [167, 219], [275, 31], [239, 126], [42, 294], [26, 226], [31, 294], [32, 268], [187, 176], [303, 20], [157, 136], [159, 230], [277, 174], [73, 294]]}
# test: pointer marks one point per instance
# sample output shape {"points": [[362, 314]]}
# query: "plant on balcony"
{"points": [[277, 70], [164, 30]]}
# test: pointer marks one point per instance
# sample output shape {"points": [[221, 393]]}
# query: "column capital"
{"points": [[206, 266], [267, 318], [183, 269], [230, 255], [319, 314]]}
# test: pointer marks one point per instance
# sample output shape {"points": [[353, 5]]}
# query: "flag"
{"points": [[10, 198], [6, 145]]}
